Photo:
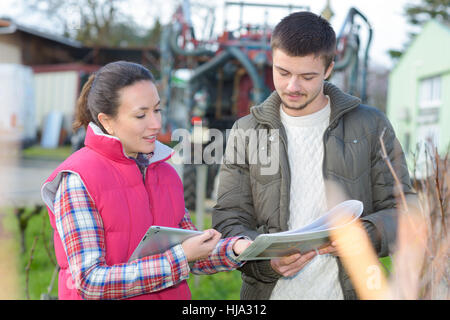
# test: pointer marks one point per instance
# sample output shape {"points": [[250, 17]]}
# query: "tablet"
{"points": [[158, 239]]}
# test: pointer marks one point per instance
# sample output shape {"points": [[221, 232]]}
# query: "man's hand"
{"points": [[349, 243], [329, 249], [289, 265]]}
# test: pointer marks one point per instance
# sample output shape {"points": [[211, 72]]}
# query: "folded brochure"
{"points": [[307, 238]]}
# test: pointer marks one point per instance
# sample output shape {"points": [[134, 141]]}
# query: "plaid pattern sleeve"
{"points": [[80, 227], [221, 259]]}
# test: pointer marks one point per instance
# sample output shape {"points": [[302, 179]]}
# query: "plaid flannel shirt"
{"points": [[80, 227]]}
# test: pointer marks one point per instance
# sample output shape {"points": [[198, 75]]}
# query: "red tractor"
{"points": [[209, 84]]}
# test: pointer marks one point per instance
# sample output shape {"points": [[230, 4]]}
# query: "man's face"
{"points": [[299, 82]]}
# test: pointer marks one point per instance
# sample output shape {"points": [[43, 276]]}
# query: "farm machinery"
{"points": [[209, 84]]}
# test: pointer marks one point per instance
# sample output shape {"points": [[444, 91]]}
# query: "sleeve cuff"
{"points": [[231, 255], [178, 263]]}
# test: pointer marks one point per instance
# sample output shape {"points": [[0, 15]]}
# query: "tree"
{"points": [[419, 13], [93, 22]]}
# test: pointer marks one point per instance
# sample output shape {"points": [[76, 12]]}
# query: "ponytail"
{"points": [[104, 96], [82, 114]]}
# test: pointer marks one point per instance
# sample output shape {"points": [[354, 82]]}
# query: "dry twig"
{"points": [[27, 268]]}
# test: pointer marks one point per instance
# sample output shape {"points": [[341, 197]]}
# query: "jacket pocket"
{"points": [[348, 159], [266, 200], [264, 177], [358, 189]]}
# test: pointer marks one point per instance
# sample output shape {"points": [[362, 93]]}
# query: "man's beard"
{"points": [[299, 107]]}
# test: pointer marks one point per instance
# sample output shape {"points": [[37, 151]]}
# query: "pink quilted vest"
{"points": [[128, 207]]}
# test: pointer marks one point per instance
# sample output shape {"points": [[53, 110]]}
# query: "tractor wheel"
{"points": [[189, 184]]}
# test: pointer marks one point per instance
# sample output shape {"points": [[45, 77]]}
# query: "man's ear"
{"points": [[105, 121], [329, 70]]}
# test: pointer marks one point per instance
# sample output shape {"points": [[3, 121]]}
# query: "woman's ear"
{"points": [[105, 121]]}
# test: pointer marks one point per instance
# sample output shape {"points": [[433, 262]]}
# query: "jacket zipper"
{"points": [[333, 124], [283, 227]]}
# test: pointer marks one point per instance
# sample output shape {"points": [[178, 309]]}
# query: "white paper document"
{"points": [[307, 238]]}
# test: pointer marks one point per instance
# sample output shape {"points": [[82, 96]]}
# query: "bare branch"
{"points": [[27, 268]]}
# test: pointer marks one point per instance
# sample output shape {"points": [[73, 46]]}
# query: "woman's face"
{"points": [[138, 119]]}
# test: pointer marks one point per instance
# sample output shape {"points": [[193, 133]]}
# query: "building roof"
{"points": [[76, 51], [80, 67], [8, 26]]}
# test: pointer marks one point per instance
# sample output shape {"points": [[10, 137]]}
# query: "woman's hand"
{"points": [[240, 245], [201, 246]]}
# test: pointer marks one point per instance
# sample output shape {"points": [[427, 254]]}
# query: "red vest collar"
{"points": [[111, 146]]}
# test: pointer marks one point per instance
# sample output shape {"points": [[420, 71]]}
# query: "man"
{"points": [[330, 136]]}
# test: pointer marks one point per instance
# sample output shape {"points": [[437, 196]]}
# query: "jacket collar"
{"points": [[268, 112], [111, 146]]}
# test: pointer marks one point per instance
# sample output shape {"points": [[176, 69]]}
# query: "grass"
{"points": [[37, 152], [41, 267], [219, 286]]}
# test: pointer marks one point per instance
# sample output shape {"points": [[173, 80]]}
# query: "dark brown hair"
{"points": [[304, 33], [100, 94]]}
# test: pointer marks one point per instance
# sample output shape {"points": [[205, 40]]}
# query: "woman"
{"points": [[103, 198]]}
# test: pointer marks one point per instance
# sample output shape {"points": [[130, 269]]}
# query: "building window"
{"points": [[427, 134], [429, 108], [430, 93]]}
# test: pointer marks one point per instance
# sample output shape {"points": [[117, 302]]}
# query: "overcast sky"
{"points": [[390, 30]]}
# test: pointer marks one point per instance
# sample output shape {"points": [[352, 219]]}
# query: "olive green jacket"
{"points": [[251, 202]]}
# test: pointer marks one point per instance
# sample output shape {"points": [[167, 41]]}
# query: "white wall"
{"points": [[17, 100], [56, 91], [9, 52]]}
